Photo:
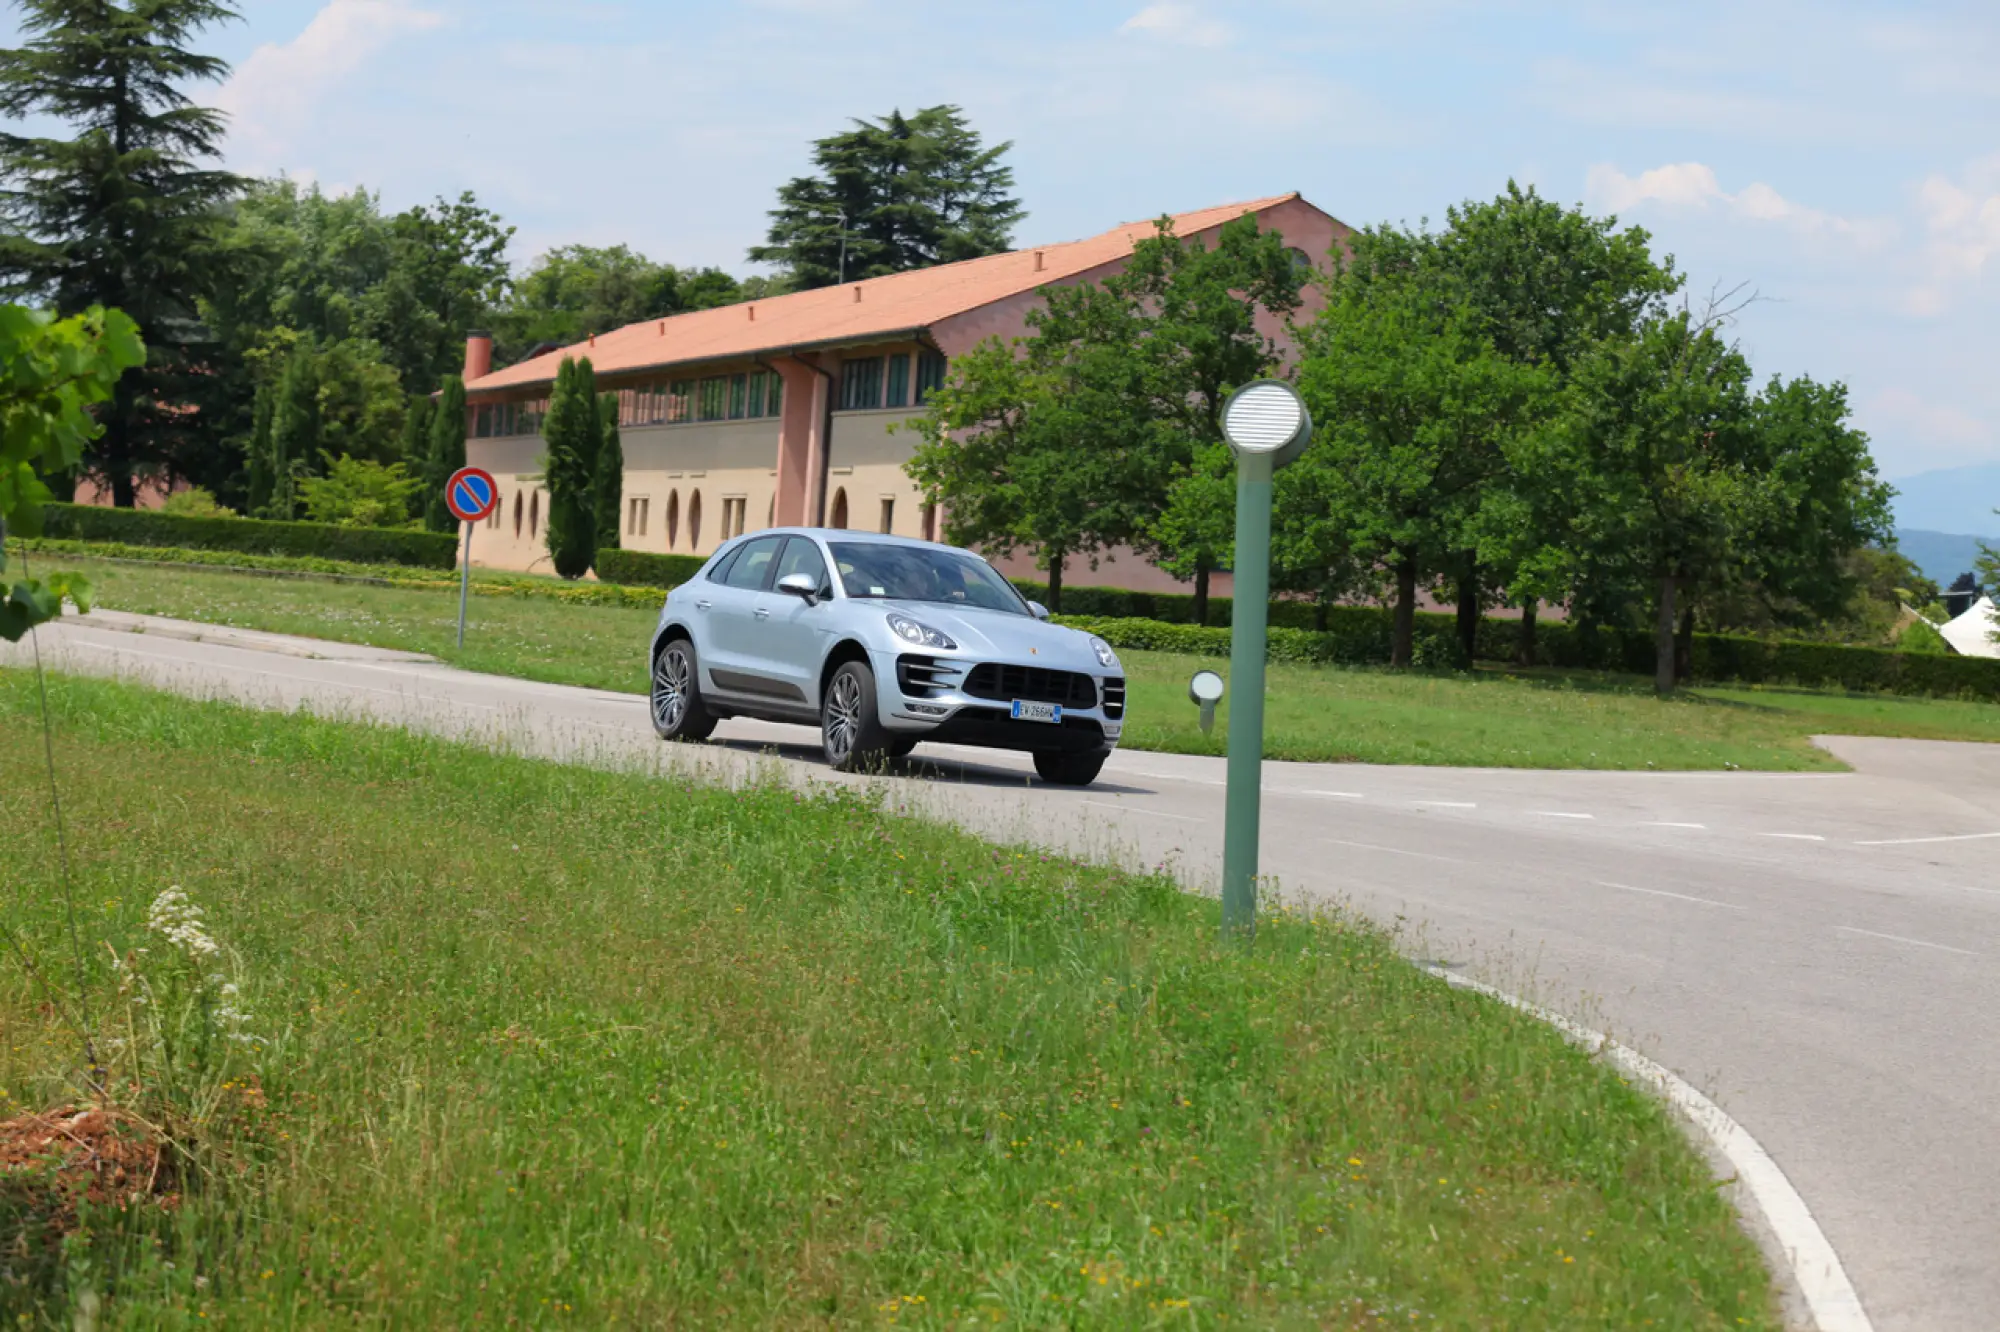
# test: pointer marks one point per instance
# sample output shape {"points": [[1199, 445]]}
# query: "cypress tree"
{"points": [[124, 214], [571, 434], [609, 472], [294, 432], [416, 447], [263, 471], [446, 454]]}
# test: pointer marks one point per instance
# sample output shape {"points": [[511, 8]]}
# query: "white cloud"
{"points": [[275, 92], [1693, 186], [1961, 221], [1181, 23]]}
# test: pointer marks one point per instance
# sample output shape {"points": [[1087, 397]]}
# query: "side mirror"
{"points": [[802, 586], [1038, 610]]}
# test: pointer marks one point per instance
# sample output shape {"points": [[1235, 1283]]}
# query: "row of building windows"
{"points": [[639, 513], [901, 380], [886, 381]]}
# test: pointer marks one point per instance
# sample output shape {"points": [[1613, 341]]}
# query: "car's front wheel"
{"points": [[850, 731], [678, 713], [1069, 769]]}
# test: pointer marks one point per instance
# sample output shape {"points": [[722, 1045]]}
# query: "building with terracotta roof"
{"points": [[783, 410]]}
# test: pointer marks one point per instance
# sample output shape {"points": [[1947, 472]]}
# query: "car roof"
{"points": [[848, 535]]}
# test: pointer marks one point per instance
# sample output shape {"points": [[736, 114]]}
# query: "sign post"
{"points": [[471, 495], [1267, 424]]}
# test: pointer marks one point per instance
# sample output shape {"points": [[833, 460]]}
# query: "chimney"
{"points": [[478, 355], [857, 295], [1038, 261], [593, 339], [753, 314]]}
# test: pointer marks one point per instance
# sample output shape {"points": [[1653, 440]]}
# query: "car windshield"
{"points": [[916, 573]]}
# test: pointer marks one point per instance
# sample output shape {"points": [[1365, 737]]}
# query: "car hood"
{"points": [[999, 636]]}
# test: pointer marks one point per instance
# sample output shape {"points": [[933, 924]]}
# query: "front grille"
{"points": [[1033, 684], [1114, 698], [925, 677]]}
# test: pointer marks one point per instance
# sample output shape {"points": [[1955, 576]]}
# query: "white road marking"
{"points": [[1559, 814], [1170, 777], [1681, 897], [1658, 823], [1337, 795], [1796, 837], [1924, 841], [1829, 1295], [1396, 851], [1897, 938], [1447, 804], [1136, 809]]}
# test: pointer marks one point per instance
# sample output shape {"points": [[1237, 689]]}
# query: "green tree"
{"points": [[359, 492], [1409, 398], [892, 195], [572, 434], [295, 447], [1197, 311], [261, 460], [1039, 446], [122, 215], [574, 291], [419, 416], [55, 371], [608, 472], [446, 454]]}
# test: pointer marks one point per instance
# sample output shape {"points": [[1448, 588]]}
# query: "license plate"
{"points": [[1037, 712]]}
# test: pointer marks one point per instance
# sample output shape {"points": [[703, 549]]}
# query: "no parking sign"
{"points": [[470, 494]]}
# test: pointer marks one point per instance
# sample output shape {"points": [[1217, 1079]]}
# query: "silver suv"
{"points": [[881, 642]]}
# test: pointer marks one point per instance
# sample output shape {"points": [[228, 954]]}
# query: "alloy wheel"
{"points": [[670, 688], [843, 716]]}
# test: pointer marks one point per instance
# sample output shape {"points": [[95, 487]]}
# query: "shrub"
{"points": [[1921, 636], [194, 502], [1115, 603], [638, 568], [358, 493], [151, 527]]}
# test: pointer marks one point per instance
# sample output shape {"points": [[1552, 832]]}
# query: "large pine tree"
{"points": [[572, 433], [122, 215], [609, 474], [446, 455], [914, 191]]}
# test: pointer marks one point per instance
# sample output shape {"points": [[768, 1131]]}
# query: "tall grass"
{"points": [[554, 1046]]}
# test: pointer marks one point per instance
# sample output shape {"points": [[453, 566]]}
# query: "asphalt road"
{"points": [[1816, 951]]}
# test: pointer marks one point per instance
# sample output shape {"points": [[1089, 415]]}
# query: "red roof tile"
{"points": [[871, 308]]}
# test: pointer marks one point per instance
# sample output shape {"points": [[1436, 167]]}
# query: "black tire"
{"points": [[850, 732], [1069, 769], [678, 712], [901, 748]]}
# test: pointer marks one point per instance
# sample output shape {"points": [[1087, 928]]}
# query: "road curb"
{"points": [[1814, 1267]]}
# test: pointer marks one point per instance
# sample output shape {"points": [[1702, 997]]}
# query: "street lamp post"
{"points": [[1267, 425]]}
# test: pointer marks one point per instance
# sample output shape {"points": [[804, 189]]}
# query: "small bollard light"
{"points": [[1205, 690]]}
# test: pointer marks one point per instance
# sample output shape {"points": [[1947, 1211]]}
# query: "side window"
{"points": [[802, 556], [719, 571], [752, 568]]}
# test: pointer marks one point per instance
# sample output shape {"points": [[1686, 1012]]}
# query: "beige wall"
{"points": [[866, 467]]}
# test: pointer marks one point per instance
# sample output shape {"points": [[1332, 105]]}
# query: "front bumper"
{"points": [[967, 701]]}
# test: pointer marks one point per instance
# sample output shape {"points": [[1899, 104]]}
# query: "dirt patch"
{"points": [[53, 1162]]}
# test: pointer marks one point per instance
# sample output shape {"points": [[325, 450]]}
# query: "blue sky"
{"points": [[1842, 159]]}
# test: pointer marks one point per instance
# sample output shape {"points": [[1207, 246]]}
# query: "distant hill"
{"points": [[1951, 499], [1942, 556]]}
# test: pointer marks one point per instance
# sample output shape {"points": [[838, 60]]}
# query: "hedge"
{"points": [[1114, 603], [1359, 636], [638, 568], [251, 536]]}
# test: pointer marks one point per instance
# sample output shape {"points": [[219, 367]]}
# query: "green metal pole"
{"points": [[464, 583], [1250, 603]]}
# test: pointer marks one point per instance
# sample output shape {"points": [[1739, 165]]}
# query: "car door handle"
{"points": [[703, 605], [761, 613]]}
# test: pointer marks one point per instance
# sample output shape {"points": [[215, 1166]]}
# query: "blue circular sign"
{"points": [[471, 494]]}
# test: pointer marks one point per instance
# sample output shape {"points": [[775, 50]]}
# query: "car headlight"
{"points": [[1105, 656], [921, 634]]}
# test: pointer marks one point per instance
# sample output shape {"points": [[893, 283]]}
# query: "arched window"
{"points": [[771, 512], [927, 516], [517, 514], [673, 517], [534, 513], [839, 512], [694, 520]]}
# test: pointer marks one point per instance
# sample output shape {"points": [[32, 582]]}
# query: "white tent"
{"points": [[1971, 634]]}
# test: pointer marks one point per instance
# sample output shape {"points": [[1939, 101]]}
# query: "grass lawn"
{"points": [[1492, 717], [553, 1046]]}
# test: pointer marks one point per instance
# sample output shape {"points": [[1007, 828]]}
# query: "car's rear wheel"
{"points": [[1069, 769], [850, 731], [678, 713]]}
